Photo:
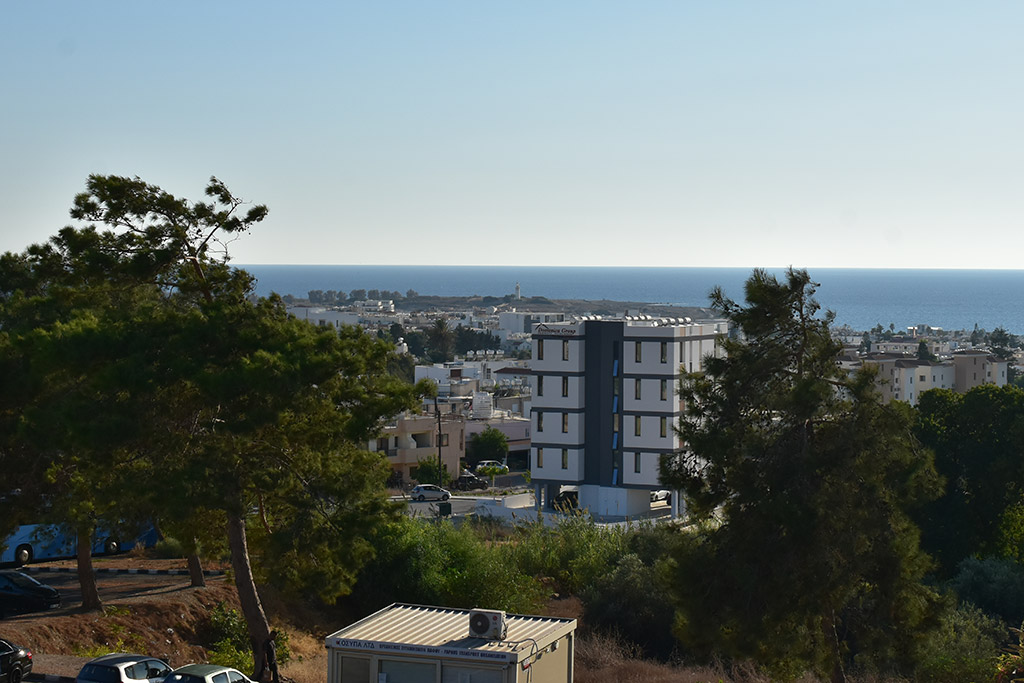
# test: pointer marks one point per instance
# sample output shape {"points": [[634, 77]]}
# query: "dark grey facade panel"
{"points": [[559, 446]]}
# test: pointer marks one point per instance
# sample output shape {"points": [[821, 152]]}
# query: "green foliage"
{"points": [[977, 438], [572, 555], [632, 602], [965, 647], [1010, 666], [438, 564], [168, 548], [230, 640], [490, 444], [425, 472], [440, 341], [467, 339], [994, 584], [815, 561]]}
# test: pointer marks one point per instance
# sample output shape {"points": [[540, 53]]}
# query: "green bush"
{"points": [[435, 563], [632, 602], [168, 548], [573, 554], [994, 584], [965, 647], [230, 637]]}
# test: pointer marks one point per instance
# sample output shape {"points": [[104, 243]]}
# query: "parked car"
{"points": [[15, 662], [122, 667], [487, 464], [206, 673], [429, 492], [469, 482], [566, 500], [20, 592], [661, 494]]}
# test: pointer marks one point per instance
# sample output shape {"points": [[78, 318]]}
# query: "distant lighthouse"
{"points": [[518, 294]]}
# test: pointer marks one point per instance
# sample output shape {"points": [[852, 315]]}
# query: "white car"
{"points": [[661, 494], [206, 673], [485, 464], [429, 492]]}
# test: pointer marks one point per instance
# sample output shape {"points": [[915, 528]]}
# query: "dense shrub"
{"points": [[230, 637], [994, 584], [631, 602], [573, 554], [437, 564], [965, 647]]}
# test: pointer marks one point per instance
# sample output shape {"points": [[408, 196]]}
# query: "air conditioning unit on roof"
{"points": [[487, 623]]}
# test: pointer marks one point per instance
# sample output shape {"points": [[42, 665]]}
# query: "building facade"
{"points": [[605, 406]]}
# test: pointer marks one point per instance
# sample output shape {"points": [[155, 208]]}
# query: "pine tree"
{"points": [[803, 482]]}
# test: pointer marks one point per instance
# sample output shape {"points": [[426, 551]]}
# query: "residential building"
{"points": [[975, 367], [410, 438], [905, 378], [605, 406]]}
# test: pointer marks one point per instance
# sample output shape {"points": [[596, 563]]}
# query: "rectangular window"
{"points": [[540, 385], [565, 423], [639, 353], [565, 458], [565, 386], [664, 352], [664, 390], [636, 463], [540, 458], [636, 389], [540, 349], [636, 425], [444, 439], [565, 349], [922, 378], [663, 426], [540, 422]]}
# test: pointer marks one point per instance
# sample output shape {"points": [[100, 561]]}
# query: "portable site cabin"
{"points": [[419, 644]]}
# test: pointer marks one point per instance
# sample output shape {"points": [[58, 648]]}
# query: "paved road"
{"points": [[111, 586]]}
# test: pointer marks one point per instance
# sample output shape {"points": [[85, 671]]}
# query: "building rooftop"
{"points": [[444, 632]]}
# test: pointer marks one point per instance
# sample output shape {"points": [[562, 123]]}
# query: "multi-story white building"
{"points": [[605, 406], [905, 378]]}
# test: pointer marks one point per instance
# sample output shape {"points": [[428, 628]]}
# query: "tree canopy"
{"points": [[804, 482], [144, 355]]}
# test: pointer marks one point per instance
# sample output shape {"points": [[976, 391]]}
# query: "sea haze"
{"points": [[861, 298]]}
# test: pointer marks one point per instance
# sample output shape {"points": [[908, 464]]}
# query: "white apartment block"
{"points": [[905, 378], [605, 406]]}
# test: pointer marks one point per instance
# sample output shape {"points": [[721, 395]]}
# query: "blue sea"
{"points": [[860, 298]]}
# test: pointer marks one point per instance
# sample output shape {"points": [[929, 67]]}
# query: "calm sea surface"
{"points": [[861, 298]]}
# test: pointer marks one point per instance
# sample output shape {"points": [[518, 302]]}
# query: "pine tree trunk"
{"points": [[195, 571], [248, 597], [86, 575]]}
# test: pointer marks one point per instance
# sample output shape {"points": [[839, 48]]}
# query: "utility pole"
{"points": [[437, 412]]}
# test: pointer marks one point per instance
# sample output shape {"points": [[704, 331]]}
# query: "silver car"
{"points": [[206, 673], [429, 492], [124, 668]]}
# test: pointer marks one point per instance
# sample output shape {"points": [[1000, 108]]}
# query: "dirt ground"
{"points": [[158, 615]]}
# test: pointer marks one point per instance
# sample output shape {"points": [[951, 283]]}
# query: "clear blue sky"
{"points": [[678, 133]]}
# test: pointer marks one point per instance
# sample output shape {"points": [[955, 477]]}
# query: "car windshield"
{"points": [[21, 580]]}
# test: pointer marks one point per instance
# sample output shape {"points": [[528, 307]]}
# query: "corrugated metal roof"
{"points": [[444, 632]]}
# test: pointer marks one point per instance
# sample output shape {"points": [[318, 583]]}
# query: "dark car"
{"points": [[21, 593], [566, 500], [469, 482], [122, 667], [15, 662]]}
